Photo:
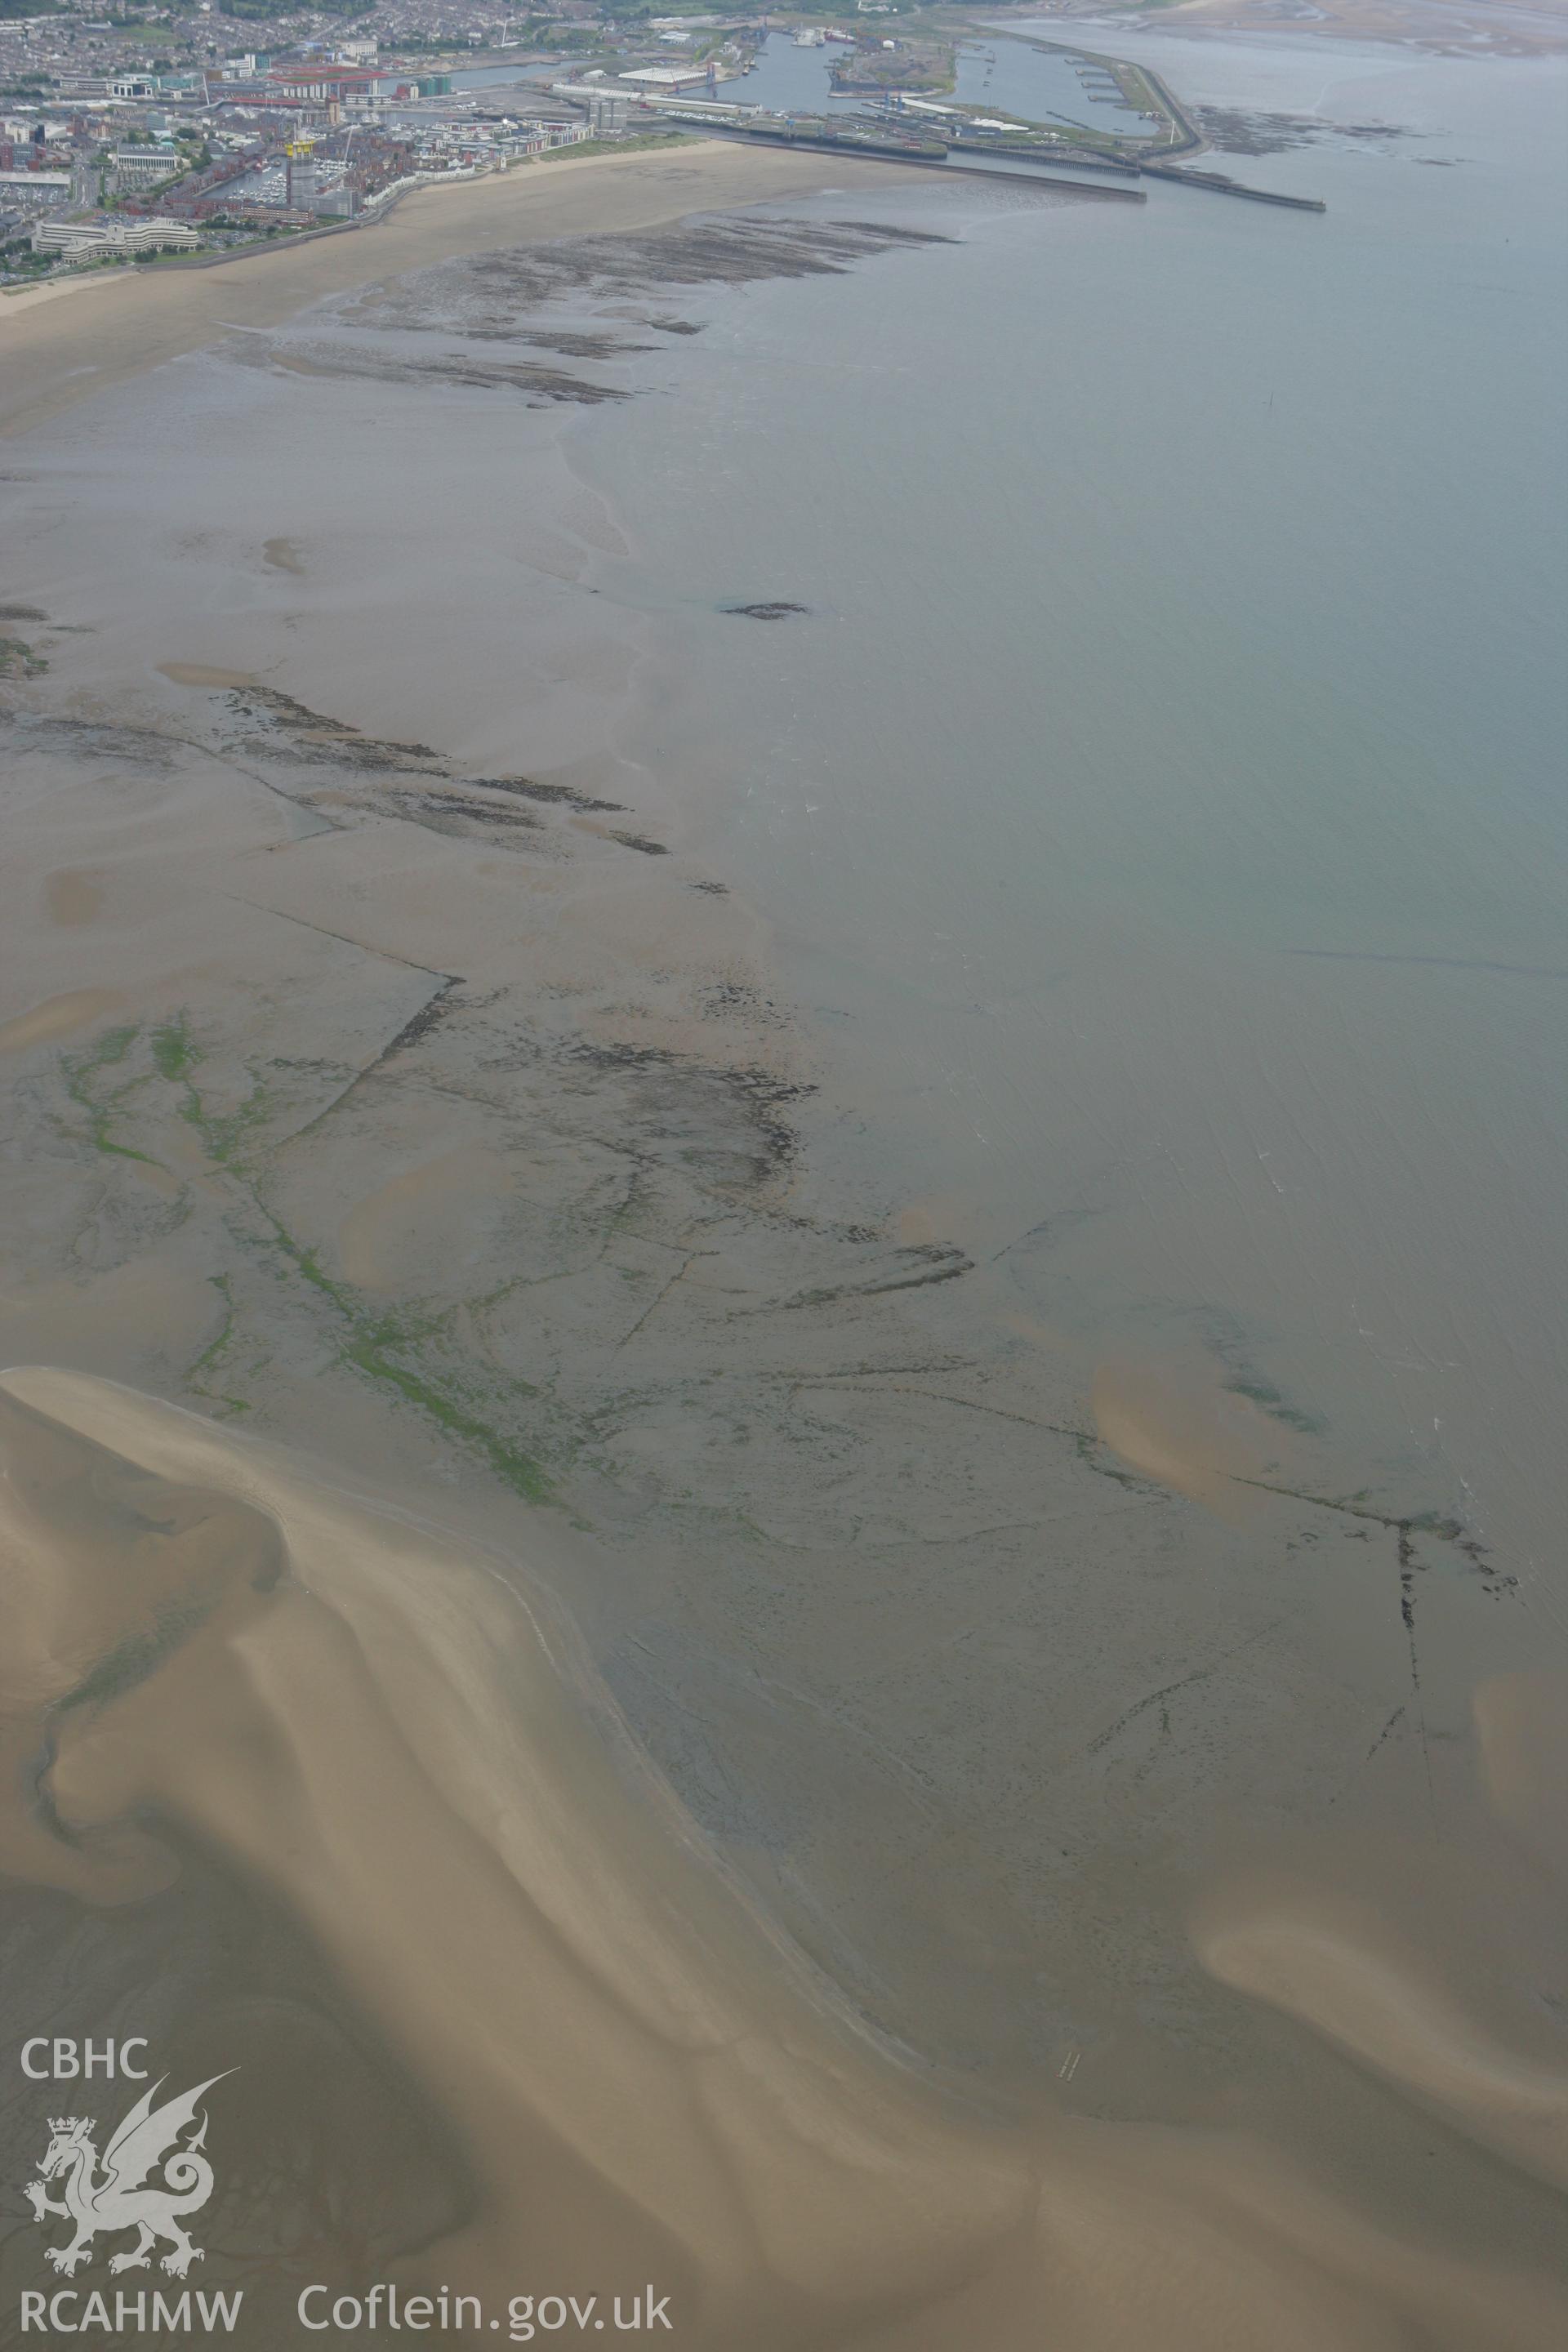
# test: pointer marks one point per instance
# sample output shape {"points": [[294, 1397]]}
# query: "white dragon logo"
{"points": [[117, 2200]]}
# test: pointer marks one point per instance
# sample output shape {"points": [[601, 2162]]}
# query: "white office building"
{"points": [[85, 240]]}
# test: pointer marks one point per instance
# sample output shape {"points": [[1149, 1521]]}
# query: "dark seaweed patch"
{"points": [[439, 804], [558, 795]]}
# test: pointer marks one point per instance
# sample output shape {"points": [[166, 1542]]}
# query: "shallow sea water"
{"points": [[1157, 803]]}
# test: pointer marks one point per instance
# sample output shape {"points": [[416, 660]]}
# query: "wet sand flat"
{"points": [[1449, 28], [409, 1755]]}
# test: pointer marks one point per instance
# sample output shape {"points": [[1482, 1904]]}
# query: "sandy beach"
{"points": [[55, 350], [519, 1616]]}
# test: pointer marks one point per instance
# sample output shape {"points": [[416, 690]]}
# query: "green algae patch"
{"points": [[394, 1352], [17, 659], [81, 1072]]}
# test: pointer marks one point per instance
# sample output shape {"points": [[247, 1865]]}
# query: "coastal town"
{"points": [[160, 133]]}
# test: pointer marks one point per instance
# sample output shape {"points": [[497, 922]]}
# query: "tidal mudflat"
{"points": [[481, 1522]]}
